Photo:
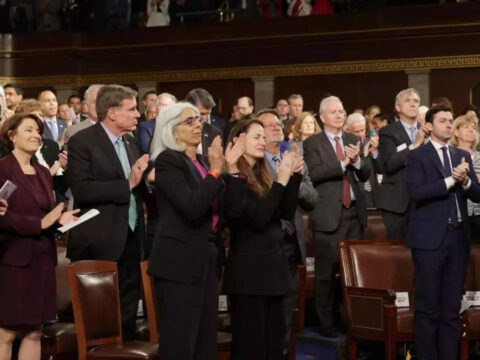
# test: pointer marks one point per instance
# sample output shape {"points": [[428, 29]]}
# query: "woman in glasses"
{"points": [[186, 246]]}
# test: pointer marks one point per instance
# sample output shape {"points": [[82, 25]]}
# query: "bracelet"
{"points": [[214, 174]]}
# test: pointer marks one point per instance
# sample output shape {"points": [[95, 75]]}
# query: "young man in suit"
{"points": [[396, 141], [335, 167], [54, 127], [105, 171], [439, 179], [294, 232]]}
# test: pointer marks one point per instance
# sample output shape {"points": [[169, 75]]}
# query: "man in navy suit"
{"points": [[54, 127], [204, 102], [439, 179]]}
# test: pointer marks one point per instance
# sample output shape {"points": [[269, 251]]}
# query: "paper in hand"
{"points": [[85, 217], [7, 190]]}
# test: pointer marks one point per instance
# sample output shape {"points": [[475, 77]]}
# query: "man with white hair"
{"points": [[396, 141], [90, 97], [356, 124], [145, 129], [335, 166]]}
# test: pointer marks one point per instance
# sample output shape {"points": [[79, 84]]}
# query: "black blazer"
{"points": [[209, 133], [395, 194], [327, 177], [256, 263], [218, 122], [184, 202], [98, 181]]}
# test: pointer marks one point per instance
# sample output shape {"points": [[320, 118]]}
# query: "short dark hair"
{"points": [[268, 111], [151, 92], [434, 110], [383, 117], [18, 88], [73, 96], [12, 124], [112, 96], [471, 108], [201, 96], [443, 101]]}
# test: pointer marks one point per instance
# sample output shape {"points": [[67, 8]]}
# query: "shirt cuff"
{"points": [[469, 183], [358, 164], [449, 182], [411, 147], [343, 166], [375, 156]]}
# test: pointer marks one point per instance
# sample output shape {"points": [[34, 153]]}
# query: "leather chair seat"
{"points": [[405, 321], [223, 322], [471, 316], [62, 336], [126, 350], [224, 341]]}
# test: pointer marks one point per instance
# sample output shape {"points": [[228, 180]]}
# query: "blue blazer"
{"points": [[145, 130], [218, 122], [430, 208]]}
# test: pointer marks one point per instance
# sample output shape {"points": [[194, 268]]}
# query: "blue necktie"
{"points": [[52, 125], [452, 206], [413, 133]]}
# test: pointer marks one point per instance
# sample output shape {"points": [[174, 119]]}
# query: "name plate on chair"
{"points": [[310, 264], [402, 300], [222, 303], [472, 296]]}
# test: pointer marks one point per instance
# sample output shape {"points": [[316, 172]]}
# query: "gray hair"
{"points": [[294, 97], [165, 127], [110, 96], [355, 118], [92, 88], [323, 103], [422, 109], [165, 94], [201, 96], [405, 92]]}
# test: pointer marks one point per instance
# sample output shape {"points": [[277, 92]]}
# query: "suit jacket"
{"points": [[209, 133], [218, 122], [21, 225], [256, 263], [72, 130], [395, 193], [97, 181], [145, 130], [185, 209], [430, 198], [327, 177], [50, 150], [307, 198], [61, 128]]}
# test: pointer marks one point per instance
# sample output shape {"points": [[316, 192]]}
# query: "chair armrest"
{"points": [[369, 309]]}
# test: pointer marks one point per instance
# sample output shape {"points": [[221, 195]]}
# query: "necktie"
{"points": [[413, 133], [132, 207], [452, 204], [346, 197], [276, 161], [52, 125]]}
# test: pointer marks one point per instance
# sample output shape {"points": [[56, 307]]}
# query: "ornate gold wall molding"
{"points": [[349, 67]]}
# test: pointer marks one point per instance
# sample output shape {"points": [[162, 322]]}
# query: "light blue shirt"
{"points": [[407, 129], [114, 139]]}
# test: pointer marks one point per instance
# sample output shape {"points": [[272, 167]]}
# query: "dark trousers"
{"points": [[439, 277], [327, 290], [188, 312], [129, 281], [289, 304], [396, 224], [474, 228], [258, 327]]}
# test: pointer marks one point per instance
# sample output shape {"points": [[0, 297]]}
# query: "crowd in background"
{"points": [[197, 174], [22, 16]]}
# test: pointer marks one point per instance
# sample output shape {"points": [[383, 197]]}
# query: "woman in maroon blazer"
{"points": [[27, 248]]}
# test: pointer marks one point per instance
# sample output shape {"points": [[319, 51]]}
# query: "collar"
{"points": [[110, 135], [408, 126], [437, 146], [50, 119], [270, 156], [332, 137]]}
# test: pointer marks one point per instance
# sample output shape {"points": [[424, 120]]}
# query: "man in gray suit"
{"points": [[294, 232], [335, 167], [90, 97], [54, 127]]}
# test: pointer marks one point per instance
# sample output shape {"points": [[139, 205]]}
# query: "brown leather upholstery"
{"points": [[61, 338], [96, 305], [371, 272], [224, 341]]}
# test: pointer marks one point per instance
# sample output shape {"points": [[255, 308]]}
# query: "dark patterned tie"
{"points": [[346, 197]]}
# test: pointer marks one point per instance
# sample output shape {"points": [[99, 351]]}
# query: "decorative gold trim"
{"points": [[348, 67]]}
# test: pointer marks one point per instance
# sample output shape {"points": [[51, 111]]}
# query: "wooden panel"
{"points": [[355, 90]]}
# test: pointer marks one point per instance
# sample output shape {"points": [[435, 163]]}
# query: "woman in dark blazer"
{"points": [[186, 243], [257, 275], [27, 248]]}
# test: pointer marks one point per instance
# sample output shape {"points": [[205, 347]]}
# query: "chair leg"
{"points": [[464, 347], [390, 350], [352, 348]]}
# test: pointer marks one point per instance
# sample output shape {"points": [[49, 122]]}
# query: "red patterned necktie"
{"points": [[346, 197]]}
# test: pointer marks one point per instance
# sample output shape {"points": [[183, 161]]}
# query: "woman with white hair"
{"points": [[186, 245]]}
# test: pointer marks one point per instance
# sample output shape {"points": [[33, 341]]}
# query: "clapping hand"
{"points": [[136, 172], [460, 172], [352, 152], [57, 214], [3, 206], [233, 152], [371, 147], [215, 155], [298, 160]]}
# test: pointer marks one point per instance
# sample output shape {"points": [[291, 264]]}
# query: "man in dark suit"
{"points": [[204, 102], [54, 127], [439, 179], [105, 169], [396, 141], [294, 232], [335, 168]]}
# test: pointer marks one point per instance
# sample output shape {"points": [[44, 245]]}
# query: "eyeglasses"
{"points": [[190, 121]]}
